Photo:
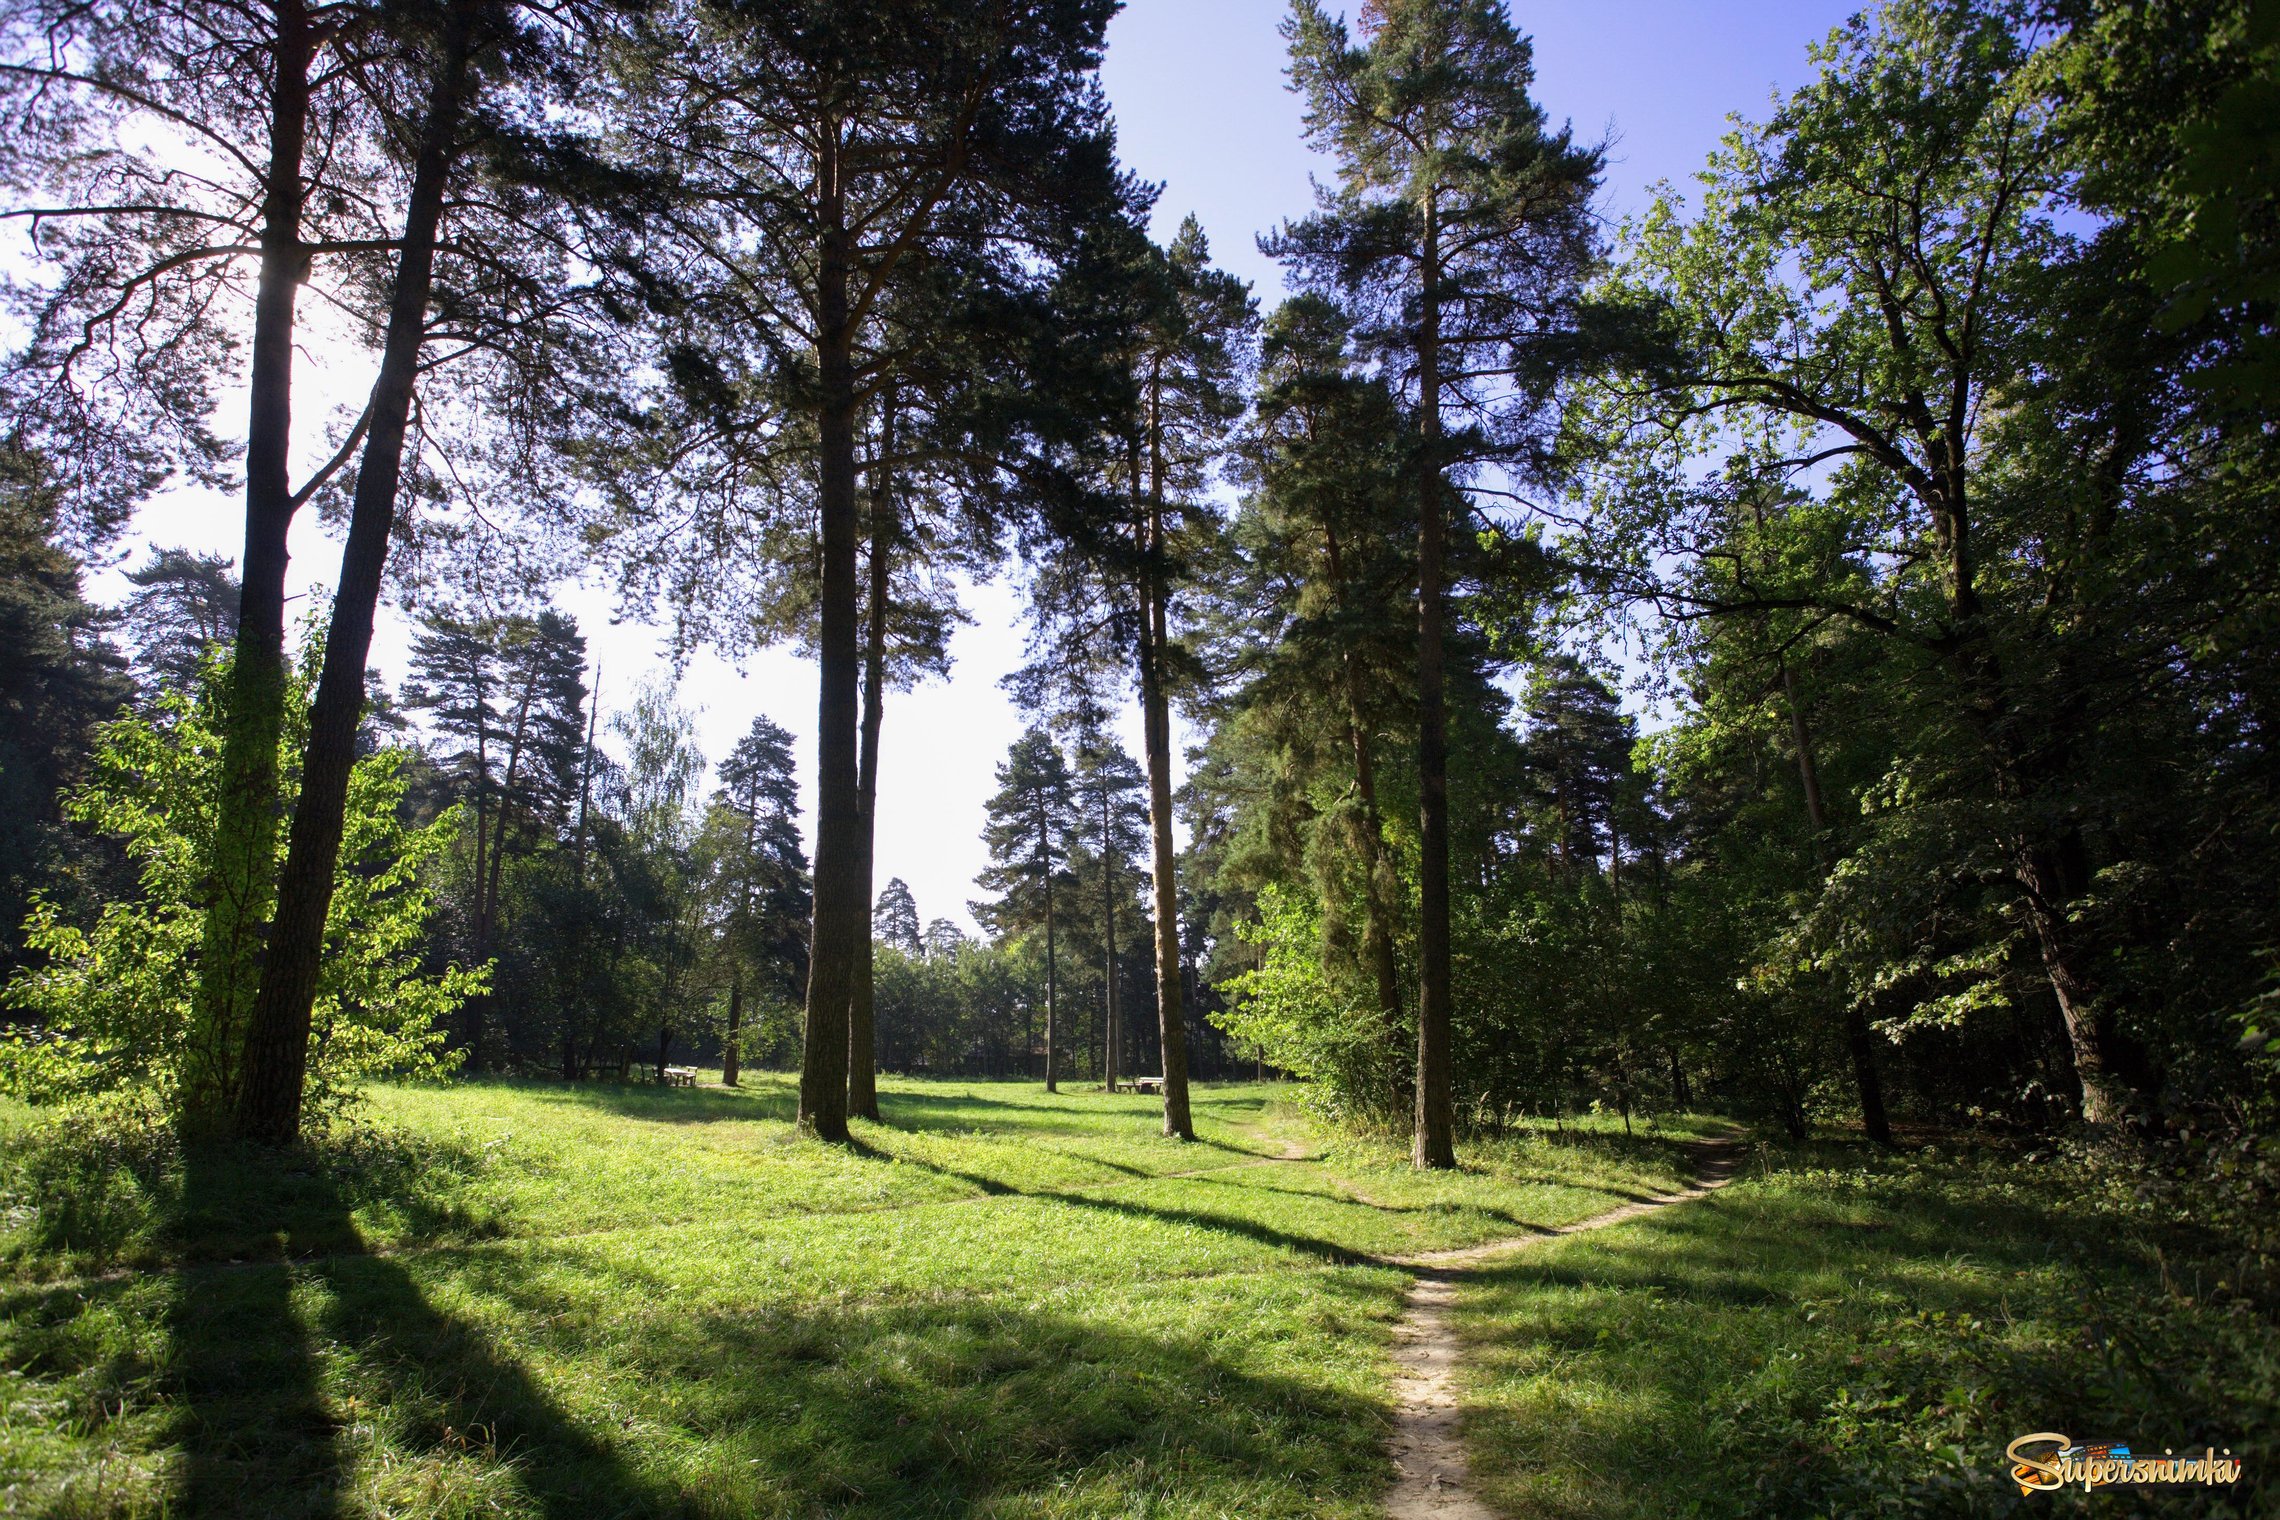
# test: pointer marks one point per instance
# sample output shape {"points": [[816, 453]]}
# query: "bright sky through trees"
{"points": [[1199, 94]]}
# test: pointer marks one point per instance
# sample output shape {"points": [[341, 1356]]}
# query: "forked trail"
{"points": [[1432, 1483]]}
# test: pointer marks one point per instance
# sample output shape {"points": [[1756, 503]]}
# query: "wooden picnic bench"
{"points": [[1148, 1084], [680, 1076]]}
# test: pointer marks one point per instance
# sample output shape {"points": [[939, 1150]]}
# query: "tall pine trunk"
{"points": [[1156, 741], [1109, 1051], [1171, 1013], [1052, 1078], [471, 1011], [841, 932], [1435, 1144], [277, 1037], [862, 1022], [245, 833], [728, 1050], [1859, 1040]]}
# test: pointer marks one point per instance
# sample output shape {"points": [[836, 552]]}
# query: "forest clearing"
{"points": [[1410, 758], [531, 1299]]}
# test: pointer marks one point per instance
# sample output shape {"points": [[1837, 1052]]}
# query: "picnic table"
{"points": [[1148, 1084], [680, 1076]]}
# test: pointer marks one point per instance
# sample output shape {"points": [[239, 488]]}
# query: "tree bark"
{"points": [[1108, 952], [1052, 1080], [245, 833], [1859, 1039], [1156, 741], [277, 1037], [1435, 1144], [728, 1050], [1156, 727], [862, 1042], [471, 1012], [841, 930], [2103, 1063]]}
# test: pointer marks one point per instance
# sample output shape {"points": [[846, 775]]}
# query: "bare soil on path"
{"points": [[1428, 1456]]}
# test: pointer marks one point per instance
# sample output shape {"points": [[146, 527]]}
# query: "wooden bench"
{"points": [[680, 1076], [1148, 1084]]}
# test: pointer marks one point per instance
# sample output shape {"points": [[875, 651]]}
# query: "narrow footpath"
{"points": [[1432, 1483]]}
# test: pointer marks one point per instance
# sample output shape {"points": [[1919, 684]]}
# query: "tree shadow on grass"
{"points": [[263, 1353], [991, 1186], [1327, 1251], [984, 1405], [255, 1433], [454, 1397]]}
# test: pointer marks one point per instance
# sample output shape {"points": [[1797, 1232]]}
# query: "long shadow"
{"points": [[458, 1396], [254, 1430], [1308, 1245], [1678, 1349], [990, 1185], [1327, 1251], [255, 1343], [886, 1410]]}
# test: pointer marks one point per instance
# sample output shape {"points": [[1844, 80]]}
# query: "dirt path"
{"points": [[1428, 1456]]}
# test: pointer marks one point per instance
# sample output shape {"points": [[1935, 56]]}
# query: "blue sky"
{"points": [[1201, 105]]}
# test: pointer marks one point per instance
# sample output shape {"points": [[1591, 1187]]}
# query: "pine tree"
{"points": [[146, 303], [1461, 229], [894, 920], [184, 606], [841, 142], [1113, 821], [506, 696], [1032, 822], [759, 876]]}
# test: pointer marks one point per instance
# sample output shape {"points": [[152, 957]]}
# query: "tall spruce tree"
{"points": [[1459, 231], [1313, 626]]}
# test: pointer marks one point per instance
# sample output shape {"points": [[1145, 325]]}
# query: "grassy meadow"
{"points": [[1843, 1332], [500, 1298]]}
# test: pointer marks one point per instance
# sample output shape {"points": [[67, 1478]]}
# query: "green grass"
{"points": [[524, 1299], [1843, 1333]]}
